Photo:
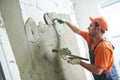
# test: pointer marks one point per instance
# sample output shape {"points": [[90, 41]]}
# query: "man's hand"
{"points": [[60, 21], [74, 61]]}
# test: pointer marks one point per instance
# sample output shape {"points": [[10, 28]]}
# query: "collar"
{"points": [[97, 40], [93, 43]]}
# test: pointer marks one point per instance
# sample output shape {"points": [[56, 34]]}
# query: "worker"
{"points": [[100, 50]]}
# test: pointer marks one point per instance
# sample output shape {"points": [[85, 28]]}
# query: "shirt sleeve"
{"points": [[85, 35]]}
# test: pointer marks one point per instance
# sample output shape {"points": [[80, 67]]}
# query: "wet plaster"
{"points": [[42, 39]]}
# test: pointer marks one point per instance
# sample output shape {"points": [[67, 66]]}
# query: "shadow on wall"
{"points": [[42, 39]]}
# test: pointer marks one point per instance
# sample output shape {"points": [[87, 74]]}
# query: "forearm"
{"points": [[73, 27], [92, 68]]}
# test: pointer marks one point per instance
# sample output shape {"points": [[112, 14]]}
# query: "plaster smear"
{"points": [[43, 38]]}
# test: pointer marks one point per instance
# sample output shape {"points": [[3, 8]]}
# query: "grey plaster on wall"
{"points": [[1, 25], [1, 21], [42, 39]]}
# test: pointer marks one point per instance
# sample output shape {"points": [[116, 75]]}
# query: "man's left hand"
{"points": [[74, 61]]}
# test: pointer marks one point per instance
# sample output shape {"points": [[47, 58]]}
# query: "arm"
{"points": [[73, 27], [92, 68]]}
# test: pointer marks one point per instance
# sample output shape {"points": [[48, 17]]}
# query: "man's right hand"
{"points": [[60, 21]]}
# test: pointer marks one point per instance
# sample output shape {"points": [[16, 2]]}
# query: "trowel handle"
{"points": [[73, 56]]}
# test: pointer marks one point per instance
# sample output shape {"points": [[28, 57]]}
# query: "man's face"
{"points": [[92, 29]]}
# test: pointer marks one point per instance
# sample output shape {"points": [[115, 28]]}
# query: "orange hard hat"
{"points": [[101, 22]]}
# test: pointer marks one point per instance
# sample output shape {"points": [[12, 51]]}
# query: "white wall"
{"points": [[84, 9]]}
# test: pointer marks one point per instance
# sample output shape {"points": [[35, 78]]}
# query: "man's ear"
{"points": [[99, 28]]}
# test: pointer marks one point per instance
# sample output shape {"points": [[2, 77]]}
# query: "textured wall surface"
{"points": [[45, 37], [48, 65]]}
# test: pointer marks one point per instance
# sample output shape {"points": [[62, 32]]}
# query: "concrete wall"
{"points": [[10, 11], [37, 62]]}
